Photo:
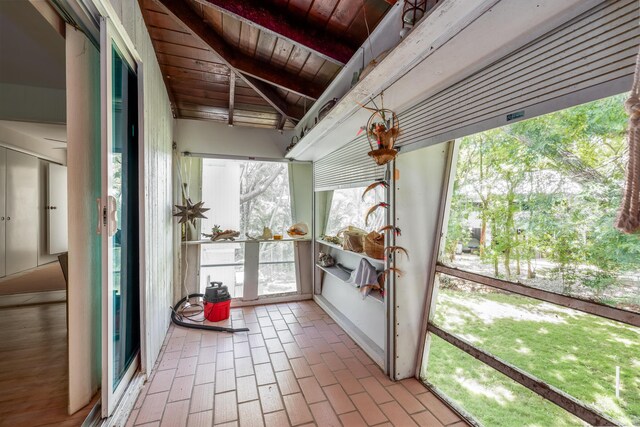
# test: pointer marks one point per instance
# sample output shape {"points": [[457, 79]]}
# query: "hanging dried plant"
{"points": [[385, 273], [391, 228], [391, 249], [383, 129], [376, 184], [373, 209]]}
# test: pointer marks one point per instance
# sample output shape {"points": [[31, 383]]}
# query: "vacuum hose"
{"points": [[177, 319]]}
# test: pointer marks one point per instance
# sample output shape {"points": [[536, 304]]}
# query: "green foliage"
{"points": [[549, 188], [457, 232]]}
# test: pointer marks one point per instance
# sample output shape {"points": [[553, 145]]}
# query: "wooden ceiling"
{"points": [[259, 63]]}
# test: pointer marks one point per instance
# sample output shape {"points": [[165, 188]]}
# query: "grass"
{"points": [[573, 351]]}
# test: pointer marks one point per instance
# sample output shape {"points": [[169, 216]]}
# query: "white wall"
{"points": [[199, 136], [12, 137], [32, 69], [158, 182], [418, 193], [34, 104]]}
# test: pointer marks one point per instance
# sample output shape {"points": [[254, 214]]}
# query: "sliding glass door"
{"points": [[121, 221]]}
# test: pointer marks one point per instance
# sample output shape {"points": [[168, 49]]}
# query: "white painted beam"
{"points": [[457, 39]]}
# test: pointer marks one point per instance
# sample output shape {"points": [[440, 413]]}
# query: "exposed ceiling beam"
{"points": [[281, 121], [192, 22], [271, 96], [286, 27], [232, 96]]}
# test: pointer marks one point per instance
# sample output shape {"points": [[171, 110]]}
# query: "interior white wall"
{"points": [[33, 104], [32, 69], [199, 136], [158, 183], [418, 193], [12, 137]]}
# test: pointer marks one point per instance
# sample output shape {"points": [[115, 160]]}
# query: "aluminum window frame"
{"points": [[546, 391]]}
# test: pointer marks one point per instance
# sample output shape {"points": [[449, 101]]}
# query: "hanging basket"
{"points": [[383, 156], [383, 129]]}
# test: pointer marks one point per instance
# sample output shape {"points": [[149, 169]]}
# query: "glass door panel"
{"points": [[124, 242], [121, 221]]}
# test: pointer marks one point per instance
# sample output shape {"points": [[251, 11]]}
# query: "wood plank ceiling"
{"points": [[258, 63]]}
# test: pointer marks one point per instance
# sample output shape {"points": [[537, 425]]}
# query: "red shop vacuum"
{"points": [[216, 307], [217, 302]]}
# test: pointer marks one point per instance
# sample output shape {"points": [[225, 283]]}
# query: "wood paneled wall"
{"points": [[158, 176]]}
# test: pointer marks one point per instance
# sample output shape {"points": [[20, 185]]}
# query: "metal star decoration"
{"points": [[190, 211]]}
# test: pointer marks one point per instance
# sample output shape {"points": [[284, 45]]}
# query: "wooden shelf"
{"points": [[342, 275], [361, 255]]}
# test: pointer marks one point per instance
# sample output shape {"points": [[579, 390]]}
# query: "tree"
{"points": [[548, 187]]}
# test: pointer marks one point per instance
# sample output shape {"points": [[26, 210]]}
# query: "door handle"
{"points": [[112, 220], [99, 206]]}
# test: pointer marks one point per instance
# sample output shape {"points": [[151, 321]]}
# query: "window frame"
{"points": [[251, 248], [546, 391]]}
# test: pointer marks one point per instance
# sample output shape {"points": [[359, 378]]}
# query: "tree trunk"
{"points": [[483, 236], [452, 255], [260, 188], [509, 229], [517, 254], [507, 261], [494, 254]]}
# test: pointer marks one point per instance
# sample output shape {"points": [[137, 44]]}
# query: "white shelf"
{"points": [[336, 272], [342, 275], [361, 255], [209, 242]]}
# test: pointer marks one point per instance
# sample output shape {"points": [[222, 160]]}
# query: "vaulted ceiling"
{"points": [[255, 63]]}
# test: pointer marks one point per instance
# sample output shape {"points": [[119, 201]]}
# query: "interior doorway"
{"points": [[33, 217]]}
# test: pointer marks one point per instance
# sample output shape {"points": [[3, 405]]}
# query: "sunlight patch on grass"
{"points": [[499, 394], [569, 358], [627, 342], [559, 376], [610, 324], [491, 311], [611, 406]]}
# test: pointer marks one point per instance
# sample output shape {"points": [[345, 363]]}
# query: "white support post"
{"points": [[251, 265]]}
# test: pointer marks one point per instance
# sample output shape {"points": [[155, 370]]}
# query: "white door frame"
{"points": [[110, 33]]}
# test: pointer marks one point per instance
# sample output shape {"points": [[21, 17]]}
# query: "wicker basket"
{"points": [[353, 239], [374, 245]]}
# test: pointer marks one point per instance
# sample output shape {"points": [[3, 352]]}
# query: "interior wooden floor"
{"points": [[33, 367], [44, 278], [294, 367]]}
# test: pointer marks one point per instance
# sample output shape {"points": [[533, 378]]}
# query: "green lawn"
{"points": [[575, 352]]}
